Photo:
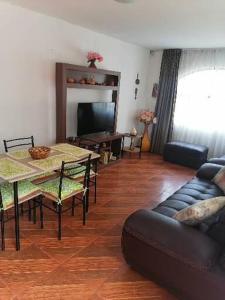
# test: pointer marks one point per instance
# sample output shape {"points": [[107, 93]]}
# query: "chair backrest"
{"points": [[18, 142], [82, 166]]}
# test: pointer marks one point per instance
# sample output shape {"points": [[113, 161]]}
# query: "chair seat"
{"points": [[42, 178], [69, 188], [78, 173], [26, 191]]}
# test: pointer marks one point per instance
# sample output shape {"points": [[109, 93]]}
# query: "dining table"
{"points": [[18, 165]]}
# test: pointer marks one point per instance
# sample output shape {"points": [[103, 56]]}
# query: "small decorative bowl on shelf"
{"points": [[71, 80], [39, 152]]}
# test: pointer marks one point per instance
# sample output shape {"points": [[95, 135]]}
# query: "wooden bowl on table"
{"points": [[39, 152]]}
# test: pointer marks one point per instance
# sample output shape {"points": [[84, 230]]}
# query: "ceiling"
{"points": [[154, 24]]}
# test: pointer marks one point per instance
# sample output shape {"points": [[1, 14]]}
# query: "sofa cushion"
{"points": [[198, 212], [208, 171], [192, 192], [219, 179]]}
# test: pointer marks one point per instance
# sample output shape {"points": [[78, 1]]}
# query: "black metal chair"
{"points": [[26, 192], [21, 143], [92, 145], [64, 187], [18, 142]]}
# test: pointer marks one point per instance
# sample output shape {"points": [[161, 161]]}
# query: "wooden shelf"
{"points": [[65, 71], [91, 87], [70, 67]]}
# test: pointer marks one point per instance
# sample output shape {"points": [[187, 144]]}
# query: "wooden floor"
{"points": [[87, 263]]}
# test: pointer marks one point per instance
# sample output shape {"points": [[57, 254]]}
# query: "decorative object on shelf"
{"points": [[137, 82], [71, 80], [39, 152], [104, 157], [146, 117], [155, 90], [91, 81], [92, 57], [82, 81], [133, 131], [113, 157], [112, 83]]}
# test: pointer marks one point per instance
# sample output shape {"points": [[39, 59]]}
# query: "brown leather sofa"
{"points": [[189, 261]]}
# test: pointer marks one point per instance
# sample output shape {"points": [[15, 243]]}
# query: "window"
{"points": [[200, 109]]}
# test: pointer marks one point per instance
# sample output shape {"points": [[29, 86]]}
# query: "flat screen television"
{"points": [[95, 117]]}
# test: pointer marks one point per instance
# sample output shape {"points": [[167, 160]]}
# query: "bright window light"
{"points": [[200, 104]]}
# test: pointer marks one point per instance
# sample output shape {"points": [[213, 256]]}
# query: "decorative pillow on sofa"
{"points": [[219, 179], [200, 211]]}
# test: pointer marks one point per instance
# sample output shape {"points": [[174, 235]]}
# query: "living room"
{"points": [[112, 164]]}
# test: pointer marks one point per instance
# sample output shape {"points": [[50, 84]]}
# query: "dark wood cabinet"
{"points": [[109, 142], [103, 80]]}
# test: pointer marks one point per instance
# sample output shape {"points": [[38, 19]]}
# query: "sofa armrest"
{"points": [[217, 161], [173, 238], [208, 171]]}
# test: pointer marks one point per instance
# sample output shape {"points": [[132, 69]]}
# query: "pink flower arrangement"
{"points": [[94, 56], [146, 117]]}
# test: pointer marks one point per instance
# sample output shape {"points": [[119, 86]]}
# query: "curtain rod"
{"points": [[161, 49]]}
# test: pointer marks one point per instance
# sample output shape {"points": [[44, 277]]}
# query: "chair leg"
{"points": [[34, 212], [73, 206], [59, 212], [41, 213], [16, 215], [2, 230], [84, 209], [22, 209], [29, 211], [95, 189], [87, 199]]}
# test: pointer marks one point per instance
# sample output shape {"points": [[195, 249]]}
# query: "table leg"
{"points": [[122, 148], [96, 171], [16, 210]]}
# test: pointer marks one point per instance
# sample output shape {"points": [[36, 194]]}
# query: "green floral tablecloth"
{"points": [[10, 168], [53, 162], [19, 154], [70, 149]]}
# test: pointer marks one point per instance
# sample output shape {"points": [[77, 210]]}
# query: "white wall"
{"points": [[31, 43]]}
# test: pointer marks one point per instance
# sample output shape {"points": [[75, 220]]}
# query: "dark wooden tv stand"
{"points": [[102, 142]]}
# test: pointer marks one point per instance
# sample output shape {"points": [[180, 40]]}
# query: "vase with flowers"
{"points": [[146, 117], [92, 57]]}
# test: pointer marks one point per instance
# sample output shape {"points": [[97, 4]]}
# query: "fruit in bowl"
{"points": [[39, 152]]}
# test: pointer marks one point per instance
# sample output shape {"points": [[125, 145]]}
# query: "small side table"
{"points": [[135, 144]]}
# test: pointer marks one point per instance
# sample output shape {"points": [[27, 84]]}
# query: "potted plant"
{"points": [[92, 57]]}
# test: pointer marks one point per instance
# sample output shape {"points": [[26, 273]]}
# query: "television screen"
{"points": [[95, 117]]}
